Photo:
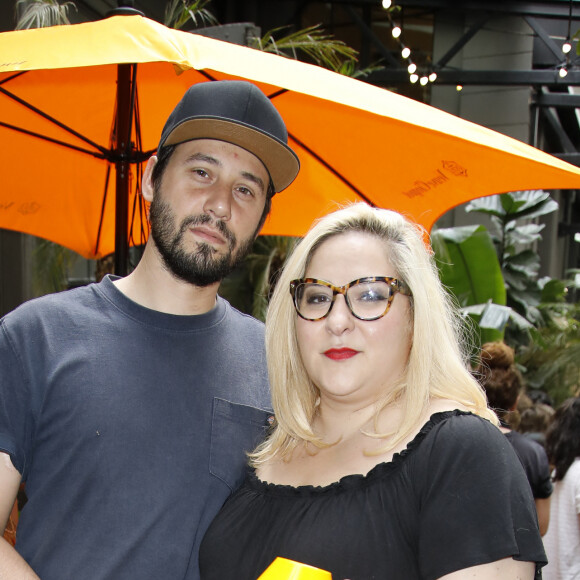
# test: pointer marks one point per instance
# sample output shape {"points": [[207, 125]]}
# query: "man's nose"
{"points": [[218, 201]]}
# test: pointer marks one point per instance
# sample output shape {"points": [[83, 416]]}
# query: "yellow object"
{"points": [[284, 569]]}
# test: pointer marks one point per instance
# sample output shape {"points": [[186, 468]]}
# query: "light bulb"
{"points": [[566, 47], [396, 32], [406, 52], [562, 72], [433, 77], [387, 4], [414, 78], [424, 81], [412, 68], [459, 88]]}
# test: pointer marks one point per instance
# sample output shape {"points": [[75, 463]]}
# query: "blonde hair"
{"points": [[437, 366]]}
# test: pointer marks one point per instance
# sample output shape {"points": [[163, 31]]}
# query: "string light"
{"points": [[406, 52], [563, 72], [459, 88], [433, 77], [424, 80], [414, 78], [567, 46], [387, 4], [412, 68], [396, 32]]}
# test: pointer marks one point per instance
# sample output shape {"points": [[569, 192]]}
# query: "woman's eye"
{"points": [[372, 296], [317, 298], [201, 172]]}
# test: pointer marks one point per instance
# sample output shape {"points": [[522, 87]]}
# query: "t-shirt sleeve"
{"points": [[475, 502], [15, 425]]}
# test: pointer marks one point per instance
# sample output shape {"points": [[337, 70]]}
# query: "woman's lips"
{"points": [[340, 353]]}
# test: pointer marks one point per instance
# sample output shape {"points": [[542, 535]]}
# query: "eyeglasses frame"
{"points": [[395, 286]]}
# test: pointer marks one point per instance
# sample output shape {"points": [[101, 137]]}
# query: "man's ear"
{"points": [[147, 187]]}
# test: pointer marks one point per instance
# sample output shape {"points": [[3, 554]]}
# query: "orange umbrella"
{"points": [[65, 115]]}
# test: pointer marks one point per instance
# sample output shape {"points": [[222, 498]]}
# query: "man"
{"points": [[127, 406]]}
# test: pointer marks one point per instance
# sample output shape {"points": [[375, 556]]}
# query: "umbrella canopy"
{"points": [[71, 95]]}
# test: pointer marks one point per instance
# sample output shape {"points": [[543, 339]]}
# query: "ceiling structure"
{"points": [[367, 27]]}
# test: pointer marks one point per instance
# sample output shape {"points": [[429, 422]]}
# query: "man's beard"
{"points": [[199, 266]]}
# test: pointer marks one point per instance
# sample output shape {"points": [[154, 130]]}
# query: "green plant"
{"points": [[520, 264], [178, 12], [322, 48], [551, 360], [249, 288], [469, 268], [42, 13]]}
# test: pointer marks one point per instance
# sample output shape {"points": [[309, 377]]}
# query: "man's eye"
{"points": [[245, 191], [201, 172]]}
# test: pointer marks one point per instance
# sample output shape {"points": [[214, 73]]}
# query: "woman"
{"points": [[383, 461], [563, 538], [503, 385]]}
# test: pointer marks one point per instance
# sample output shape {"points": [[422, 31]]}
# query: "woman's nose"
{"points": [[340, 318]]}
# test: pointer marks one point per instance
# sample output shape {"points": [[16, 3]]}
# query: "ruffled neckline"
{"points": [[357, 479]]}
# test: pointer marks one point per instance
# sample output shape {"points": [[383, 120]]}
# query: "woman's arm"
{"points": [[500, 570], [543, 511]]}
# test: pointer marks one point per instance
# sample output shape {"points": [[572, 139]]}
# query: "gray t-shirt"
{"points": [[129, 427]]}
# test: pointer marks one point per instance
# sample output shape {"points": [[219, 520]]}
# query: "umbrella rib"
{"points": [[52, 140], [12, 96], [333, 170], [14, 76], [101, 218]]}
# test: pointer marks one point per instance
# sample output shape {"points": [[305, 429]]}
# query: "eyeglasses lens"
{"points": [[367, 300]]}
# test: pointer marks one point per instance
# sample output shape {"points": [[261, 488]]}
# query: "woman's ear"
{"points": [[147, 186]]}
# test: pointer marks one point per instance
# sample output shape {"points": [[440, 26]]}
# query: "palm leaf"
{"points": [[321, 47], [42, 13], [178, 12]]}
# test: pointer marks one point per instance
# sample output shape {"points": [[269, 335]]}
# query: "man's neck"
{"points": [[152, 285]]}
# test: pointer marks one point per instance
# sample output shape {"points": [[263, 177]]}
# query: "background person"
{"points": [[562, 541], [384, 461], [535, 421], [127, 406], [503, 385]]}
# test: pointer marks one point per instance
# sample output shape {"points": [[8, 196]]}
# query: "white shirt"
{"points": [[562, 541]]}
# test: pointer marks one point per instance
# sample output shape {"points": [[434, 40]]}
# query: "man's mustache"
{"points": [[204, 219]]}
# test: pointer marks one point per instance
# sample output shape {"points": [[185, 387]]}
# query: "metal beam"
{"points": [[473, 30], [546, 39], [370, 35], [572, 158], [550, 9], [565, 143], [559, 100], [389, 77]]}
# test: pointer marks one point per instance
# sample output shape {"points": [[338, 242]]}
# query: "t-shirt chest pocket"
{"points": [[235, 430]]}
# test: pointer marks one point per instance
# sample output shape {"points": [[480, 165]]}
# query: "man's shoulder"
{"points": [[242, 319], [52, 307]]}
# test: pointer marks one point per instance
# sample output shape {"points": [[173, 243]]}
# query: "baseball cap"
{"points": [[237, 112]]}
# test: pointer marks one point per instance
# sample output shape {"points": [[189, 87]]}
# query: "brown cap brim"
{"points": [[280, 161]]}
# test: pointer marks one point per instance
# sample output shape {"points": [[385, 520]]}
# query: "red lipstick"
{"points": [[340, 353]]}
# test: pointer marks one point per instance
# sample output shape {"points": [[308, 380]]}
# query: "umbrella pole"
{"points": [[122, 169]]}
